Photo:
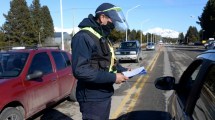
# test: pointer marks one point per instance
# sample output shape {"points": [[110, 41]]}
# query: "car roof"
{"points": [[31, 49], [209, 54]]}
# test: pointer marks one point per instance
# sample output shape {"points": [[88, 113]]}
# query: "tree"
{"points": [[18, 25], [35, 9], [117, 36], [47, 23], [43, 23], [192, 35], [2, 39], [132, 35], [138, 33], [207, 19], [201, 35], [181, 38]]}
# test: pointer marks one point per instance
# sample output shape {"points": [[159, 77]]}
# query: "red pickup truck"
{"points": [[32, 80]]}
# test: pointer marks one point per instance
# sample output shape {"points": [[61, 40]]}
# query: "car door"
{"points": [[64, 72], [184, 90], [205, 105], [41, 91]]}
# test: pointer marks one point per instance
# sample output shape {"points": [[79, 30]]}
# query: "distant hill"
{"points": [[163, 32]]}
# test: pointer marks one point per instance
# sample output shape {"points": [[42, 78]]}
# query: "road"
{"points": [[137, 99]]}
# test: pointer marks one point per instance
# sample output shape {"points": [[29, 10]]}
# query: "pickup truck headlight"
{"points": [[133, 52], [117, 53]]}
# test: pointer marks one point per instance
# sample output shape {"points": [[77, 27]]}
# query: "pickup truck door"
{"points": [[41, 91], [64, 72]]}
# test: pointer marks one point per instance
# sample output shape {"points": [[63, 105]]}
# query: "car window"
{"points": [[42, 63], [187, 80], [12, 63], [68, 61], [150, 43], [205, 106], [59, 60]]}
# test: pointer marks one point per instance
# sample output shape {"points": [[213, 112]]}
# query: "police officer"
{"points": [[94, 64]]}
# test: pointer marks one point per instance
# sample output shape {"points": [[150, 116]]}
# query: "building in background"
{"points": [[67, 40]]}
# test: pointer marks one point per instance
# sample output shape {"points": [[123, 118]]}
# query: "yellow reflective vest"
{"points": [[113, 58]]}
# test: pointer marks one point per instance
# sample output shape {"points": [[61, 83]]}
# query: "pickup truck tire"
{"points": [[137, 60], [11, 113], [72, 96]]}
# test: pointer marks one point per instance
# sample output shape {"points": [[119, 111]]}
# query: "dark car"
{"points": [[129, 50], [198, 43], [32, 80], [194, 94]]}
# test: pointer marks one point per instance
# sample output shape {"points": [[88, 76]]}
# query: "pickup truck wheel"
{"points": [[137, 60], [11, 113], [72, 96]]}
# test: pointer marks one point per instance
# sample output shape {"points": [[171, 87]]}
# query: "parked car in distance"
{"points": [[160, 42], [33, 79], [211, 45], [129, 50], [198, 43], [150, 46], [208, 43], [194, 95]]}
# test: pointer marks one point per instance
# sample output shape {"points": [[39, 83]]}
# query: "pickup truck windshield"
{"points": [[128, 45]]}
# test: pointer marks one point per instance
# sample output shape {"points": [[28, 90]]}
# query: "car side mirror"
{"points": [[35, 74], [165, 83]]}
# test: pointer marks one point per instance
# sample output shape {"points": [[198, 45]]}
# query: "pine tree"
{"points": [[192, 35], [207, 19], [18, 23], [132, 35], [47, 23], [2, 37], [181, 37], [43, 23], [35, 9], [117, 36]]}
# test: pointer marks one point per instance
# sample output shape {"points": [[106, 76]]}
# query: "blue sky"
{"points": [[176, 15]]}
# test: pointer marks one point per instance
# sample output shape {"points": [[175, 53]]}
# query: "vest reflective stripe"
{"points": [[92, 31], [112, 58], [109, 44]]}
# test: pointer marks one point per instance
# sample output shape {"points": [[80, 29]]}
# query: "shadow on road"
{"points": [[145, 115], [52, 114]]}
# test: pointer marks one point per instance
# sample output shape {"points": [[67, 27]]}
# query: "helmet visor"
{"points": [[117, 17]]}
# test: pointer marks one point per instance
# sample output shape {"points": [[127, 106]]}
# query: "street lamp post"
{"points": [[141, 34], [126, 36], [61, 14]]}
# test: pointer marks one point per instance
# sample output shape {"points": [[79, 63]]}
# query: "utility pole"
{"points": [[61, 16]]}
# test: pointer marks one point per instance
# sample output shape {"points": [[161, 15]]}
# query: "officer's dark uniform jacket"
{"points": [[91, 61]]}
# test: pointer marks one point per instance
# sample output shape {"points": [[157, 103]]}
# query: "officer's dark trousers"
{"points": [[95, 110]]}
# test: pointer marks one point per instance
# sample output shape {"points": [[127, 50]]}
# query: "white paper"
{"points": [[133, 72]]}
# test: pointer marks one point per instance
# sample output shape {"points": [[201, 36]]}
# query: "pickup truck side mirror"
{"points": [[165, 83], [35, 74]]}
